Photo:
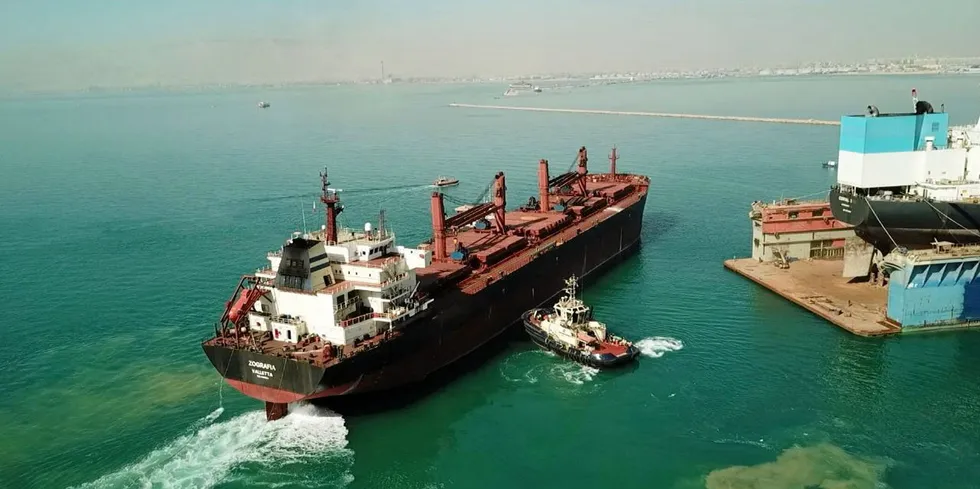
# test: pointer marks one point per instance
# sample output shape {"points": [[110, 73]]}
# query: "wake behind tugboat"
{"points": [[571, 332]]}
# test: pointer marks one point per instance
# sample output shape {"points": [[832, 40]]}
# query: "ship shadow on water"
{"points": [[404, 396], [657, 224]]}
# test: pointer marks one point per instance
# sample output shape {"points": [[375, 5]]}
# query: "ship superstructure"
{"points": [[908, 178], [341, 312]]}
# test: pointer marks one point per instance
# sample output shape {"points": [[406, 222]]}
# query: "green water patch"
{"points": [[96, 400], [821, 466]]}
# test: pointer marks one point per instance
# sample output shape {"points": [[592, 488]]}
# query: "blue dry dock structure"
{"points": [[896, 246]]}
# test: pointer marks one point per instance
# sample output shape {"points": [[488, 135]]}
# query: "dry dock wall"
{"points": [[935, 292]]}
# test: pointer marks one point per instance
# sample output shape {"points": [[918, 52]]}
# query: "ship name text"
{"points": [[262, 370]]}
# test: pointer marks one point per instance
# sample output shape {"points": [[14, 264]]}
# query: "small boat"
{"points": [[445, 182], [570, 331], [263, 105], [830, 164]]}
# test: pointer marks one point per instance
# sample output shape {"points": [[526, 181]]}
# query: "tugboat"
{"points": [[570, 331], [445, 182]]}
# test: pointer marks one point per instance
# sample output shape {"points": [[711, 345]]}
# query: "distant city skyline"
{"points": [[63, 44]]}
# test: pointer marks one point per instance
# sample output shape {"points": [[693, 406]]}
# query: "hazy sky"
{"points": [[58, 44]]}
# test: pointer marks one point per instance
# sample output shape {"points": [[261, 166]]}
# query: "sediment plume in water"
{"points": [[822, 466]]}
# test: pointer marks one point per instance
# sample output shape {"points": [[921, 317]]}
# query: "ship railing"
{"points": [[396, 278], [359, 319], [336, 287], [788, 202], [286, 320], [348, 303], [945, 248]]}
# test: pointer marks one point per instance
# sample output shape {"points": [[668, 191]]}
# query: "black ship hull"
{"points": [[605, 360], [909, 223], [459, 323]]}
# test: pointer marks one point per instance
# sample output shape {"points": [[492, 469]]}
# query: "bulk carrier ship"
{"points": [[340, 312]]}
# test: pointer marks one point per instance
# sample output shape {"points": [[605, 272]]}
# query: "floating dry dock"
{"points": [[817, 286], [806, 256]]}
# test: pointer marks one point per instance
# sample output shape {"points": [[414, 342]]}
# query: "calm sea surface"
{"points": [[126, 220]]}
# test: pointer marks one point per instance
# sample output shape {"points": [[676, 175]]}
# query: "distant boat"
{"points": [[516, 88], [830, 164], [445, 182], [263, 105]]}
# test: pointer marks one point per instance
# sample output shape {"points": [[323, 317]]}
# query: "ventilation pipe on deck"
{"points": [[543, 197], [438, 226], [583, 161], [500, 202]]}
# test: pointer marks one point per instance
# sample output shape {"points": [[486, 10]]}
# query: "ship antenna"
{"points": [[302, 211], [381, 224], [570, 284]]}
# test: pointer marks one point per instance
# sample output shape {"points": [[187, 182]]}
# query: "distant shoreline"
{"points": [[584, 78]]}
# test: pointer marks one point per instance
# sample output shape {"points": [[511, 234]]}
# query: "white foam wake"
{"points": [[658, 346], [575, 373], [209, 455]]}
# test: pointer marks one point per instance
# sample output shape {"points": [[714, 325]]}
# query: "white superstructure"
{"points": [[342, 291], [909, 155], [572, 323]]}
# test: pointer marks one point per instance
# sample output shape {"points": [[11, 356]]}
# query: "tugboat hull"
{"points": [[597, 360]]}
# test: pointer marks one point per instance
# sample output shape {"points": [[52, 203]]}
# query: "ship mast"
{"points": [[612, 161], [571, 283], [583, 168], [330, 199], [500, 203]]}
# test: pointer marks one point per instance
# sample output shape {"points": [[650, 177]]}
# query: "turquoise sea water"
{"points": [[126, 220]]}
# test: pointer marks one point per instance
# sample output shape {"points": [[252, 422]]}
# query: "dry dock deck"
{"points": [[817, 286]]}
